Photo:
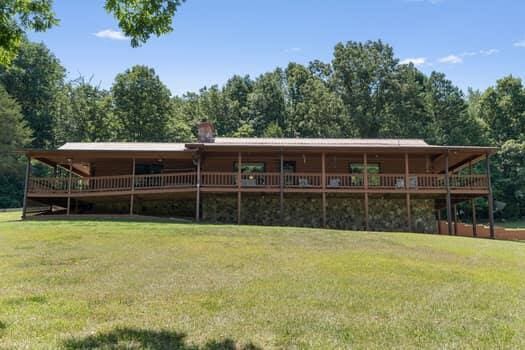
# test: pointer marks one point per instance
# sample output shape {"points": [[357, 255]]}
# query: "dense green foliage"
{"points": [[14, 134], [89, 284], [362, 92], [138, 19]]}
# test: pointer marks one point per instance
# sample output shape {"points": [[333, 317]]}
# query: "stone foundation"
{"points": [[342, 212]]}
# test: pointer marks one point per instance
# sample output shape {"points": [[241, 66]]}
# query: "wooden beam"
{"points": [[239, 179], [69, 187], [455, 216], [439, 220], [281, 188], [198, 191], [26, 187], [323, 185], [365, 185], [490, 199], [132, 197], [473, 206], [474, 220], [407, 187], [449, 199]]}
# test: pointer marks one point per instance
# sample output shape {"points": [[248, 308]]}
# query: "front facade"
{"points": [[394, 185]]}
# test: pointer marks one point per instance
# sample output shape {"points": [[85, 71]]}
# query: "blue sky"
{"points": [[473, 42]]}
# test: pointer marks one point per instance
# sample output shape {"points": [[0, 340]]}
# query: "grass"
{"points": [[116, 284]]}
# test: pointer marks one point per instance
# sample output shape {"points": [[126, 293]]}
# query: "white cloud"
{"points": [[451, 59], [111, 34], [416, 61], [520, 43], [488, 52], [293, 49]]}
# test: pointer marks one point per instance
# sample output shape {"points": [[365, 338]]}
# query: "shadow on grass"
{"points": [[132, 338]]}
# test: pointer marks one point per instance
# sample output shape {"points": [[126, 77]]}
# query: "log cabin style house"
{"points": [[361, 184]]}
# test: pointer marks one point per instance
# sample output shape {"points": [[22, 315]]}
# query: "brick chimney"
{"points": [[206, 132]]}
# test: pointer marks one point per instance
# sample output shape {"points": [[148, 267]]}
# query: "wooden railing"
{"points": [[254, 180], [302, 180], [344, 181]]}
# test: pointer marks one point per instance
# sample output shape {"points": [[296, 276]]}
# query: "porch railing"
{"points": [[254, 180]]}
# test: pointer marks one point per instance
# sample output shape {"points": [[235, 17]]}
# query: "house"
{"points": [[369, 184]]}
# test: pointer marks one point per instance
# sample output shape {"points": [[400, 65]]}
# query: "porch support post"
{"points": [[69, 186], [473, 205], [323, 184], [132, 199], [239, 178], [449, 199], [455, 216], [55, 172], [439, 220], [474, 220], [407, 188], [198, 190], [26, 187], [281, 188], [490, 199], [365, 184]]}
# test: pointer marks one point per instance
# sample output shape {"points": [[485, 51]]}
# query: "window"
{"points": [[373, 173], [145, 169], [251, 167], [288, 166]]}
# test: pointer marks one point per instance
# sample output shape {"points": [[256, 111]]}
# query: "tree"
{"points": [[138, 19], [451, 123], [509, 178], [312, 109], [35, 79], [503, 109], [266, 103], [362, 76], [405, 113], [14, 135], [17, 16], [141, 105], [84, 114]]}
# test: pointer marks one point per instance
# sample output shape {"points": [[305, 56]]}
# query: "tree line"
{"points": [[362, 92]]}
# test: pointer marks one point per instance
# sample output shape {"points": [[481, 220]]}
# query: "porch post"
{"points": [[407, 188], [490, 199], [55, 172], [455, 216], [323, 184], [439, 220], [473, 205], [281, 188], [474, 221], [132, 199], [449, 199], [69, 187], [198, 190], [365, 184], [239, 178], [26, 187]]}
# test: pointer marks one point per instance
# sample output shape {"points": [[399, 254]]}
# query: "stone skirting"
{"points": [[342, 212]]}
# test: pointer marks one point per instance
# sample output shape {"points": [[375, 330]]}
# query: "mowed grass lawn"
{"points": [[111, 284]]}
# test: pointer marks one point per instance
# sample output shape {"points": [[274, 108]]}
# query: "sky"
{"points": [[474, 42]]}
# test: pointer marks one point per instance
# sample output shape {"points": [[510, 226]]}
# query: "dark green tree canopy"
{"points": [[142, 105], [35, 80], [138, 19]]}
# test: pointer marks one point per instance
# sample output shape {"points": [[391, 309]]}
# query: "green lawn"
{"points": [[111, 284]]}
